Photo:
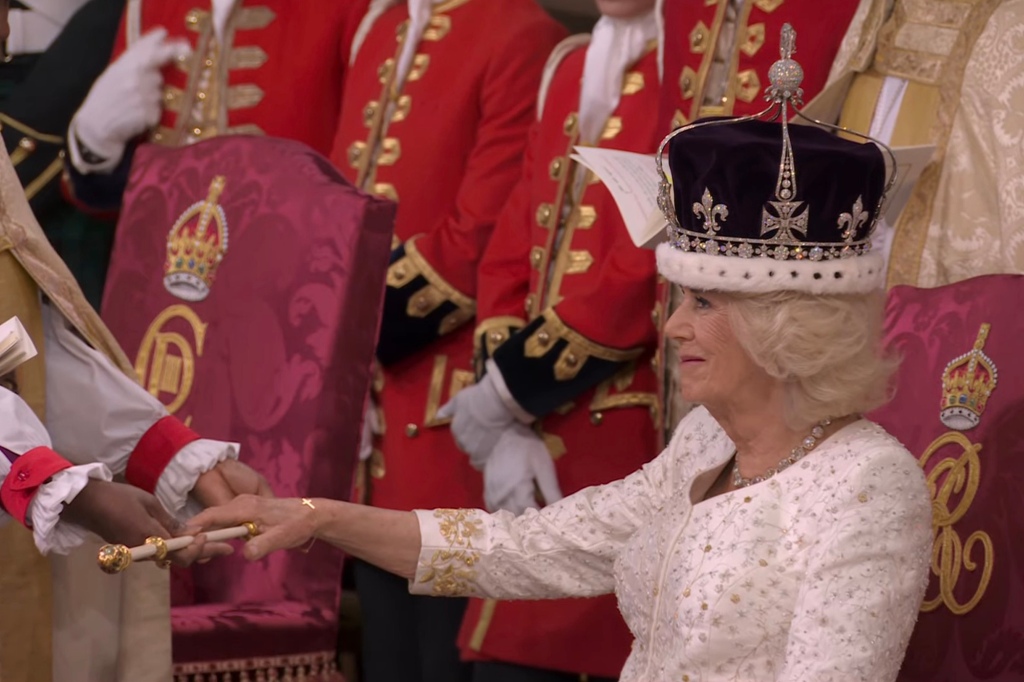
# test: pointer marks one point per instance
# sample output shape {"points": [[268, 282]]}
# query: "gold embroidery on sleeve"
{"points": [[452, 570]]}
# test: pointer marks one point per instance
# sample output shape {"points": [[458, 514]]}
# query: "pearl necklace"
{"points": [[808, 444]]}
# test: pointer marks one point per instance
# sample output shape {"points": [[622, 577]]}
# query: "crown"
{"points": [[196, 245], [967, 383], [801, 198]]}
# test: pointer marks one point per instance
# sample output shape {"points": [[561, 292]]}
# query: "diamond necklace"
{"points": [[808, 444]]}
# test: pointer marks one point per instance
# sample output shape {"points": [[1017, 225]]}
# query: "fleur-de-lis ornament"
{"points": [[850, 222], [710, 212]]}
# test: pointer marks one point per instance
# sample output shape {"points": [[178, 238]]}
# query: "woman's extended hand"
{"points": [[283, 523]]}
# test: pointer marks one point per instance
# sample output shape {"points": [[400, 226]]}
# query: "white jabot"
{"points": [[35, 28], [419, 17], [221, 11], [614, 45]]}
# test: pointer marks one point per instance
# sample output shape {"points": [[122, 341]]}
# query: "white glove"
{"points": [[479, 417], [519, 459], [124, 102], [371, 428]]}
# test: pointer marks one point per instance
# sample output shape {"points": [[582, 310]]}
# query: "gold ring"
{"points": [[251, 527], [308, 502], [161, 547]]}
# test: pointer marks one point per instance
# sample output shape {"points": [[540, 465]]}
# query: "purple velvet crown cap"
{"points": [[737, 229]]}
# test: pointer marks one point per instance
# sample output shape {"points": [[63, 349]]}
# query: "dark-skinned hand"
{"points": [[228, 480], [126, 515]]}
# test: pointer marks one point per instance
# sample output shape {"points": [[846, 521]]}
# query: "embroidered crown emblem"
{"points": [[196, 246], [967, 383]]}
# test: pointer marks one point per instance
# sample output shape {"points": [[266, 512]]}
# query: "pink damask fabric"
{"points": [[245, 285], [959, 407]]}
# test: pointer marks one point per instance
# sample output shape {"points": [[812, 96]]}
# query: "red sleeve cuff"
{"points": [[155, 450], [28, 472]]}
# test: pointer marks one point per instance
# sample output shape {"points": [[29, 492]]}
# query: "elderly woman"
{"points": [[780, 535]]}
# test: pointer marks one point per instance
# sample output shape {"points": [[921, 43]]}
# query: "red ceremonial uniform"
{"points": [[446, 144], [696, 27], [279, 72], [565, 312]]}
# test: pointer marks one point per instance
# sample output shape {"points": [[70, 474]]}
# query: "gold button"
{"points": [[197, 131], [411, 430], [707, 548], [544, 212], [571, 360], [199, 95], [399, 273], [543, 338], [421, 303], [208, 63], [570, 124], [597, 419], [556, 169], [27, 143], [703, 606], [496, 337], [355, 153]]}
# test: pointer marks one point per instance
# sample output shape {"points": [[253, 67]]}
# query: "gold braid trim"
{"points": [[495, 331], [436, 292], [312, 667], [578, 350], [452, 570], [31, 132]]}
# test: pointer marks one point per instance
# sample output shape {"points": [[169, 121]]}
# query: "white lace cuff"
{"points": [[182, 472], [50, 533]]}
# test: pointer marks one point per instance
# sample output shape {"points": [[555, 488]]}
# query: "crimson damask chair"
{"points": [[959, 407], [246, 282]]}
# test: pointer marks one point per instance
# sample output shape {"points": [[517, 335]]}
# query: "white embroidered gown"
{"points": [[815, 575]]}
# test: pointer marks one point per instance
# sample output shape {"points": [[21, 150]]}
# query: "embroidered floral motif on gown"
{"points": [[815, 575]]}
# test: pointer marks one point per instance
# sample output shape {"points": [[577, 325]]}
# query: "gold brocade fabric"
{"points": [[25, 611], [110, 628], [961, 60]]}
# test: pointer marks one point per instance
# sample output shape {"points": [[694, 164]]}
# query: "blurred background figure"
{"points": [[56, 49], [924, 74], [565, 396], [435, 113]]}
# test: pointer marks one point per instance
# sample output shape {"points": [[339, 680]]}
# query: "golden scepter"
{"points": [[116, 558]]}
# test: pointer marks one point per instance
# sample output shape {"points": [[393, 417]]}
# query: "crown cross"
{"points": [[785, 222], [210, 205]]}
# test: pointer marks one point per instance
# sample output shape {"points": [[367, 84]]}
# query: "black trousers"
{"points": [[407, 638], [506, 672]]}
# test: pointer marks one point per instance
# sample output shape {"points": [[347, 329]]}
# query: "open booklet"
{"points": [[632, 180], [15, 345]]}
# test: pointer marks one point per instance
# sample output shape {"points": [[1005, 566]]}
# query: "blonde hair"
{"points": [[827, 349]]}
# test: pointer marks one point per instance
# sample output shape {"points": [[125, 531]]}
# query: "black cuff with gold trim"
{"points": [[419, 306], [547, 364], [489, 336]]}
